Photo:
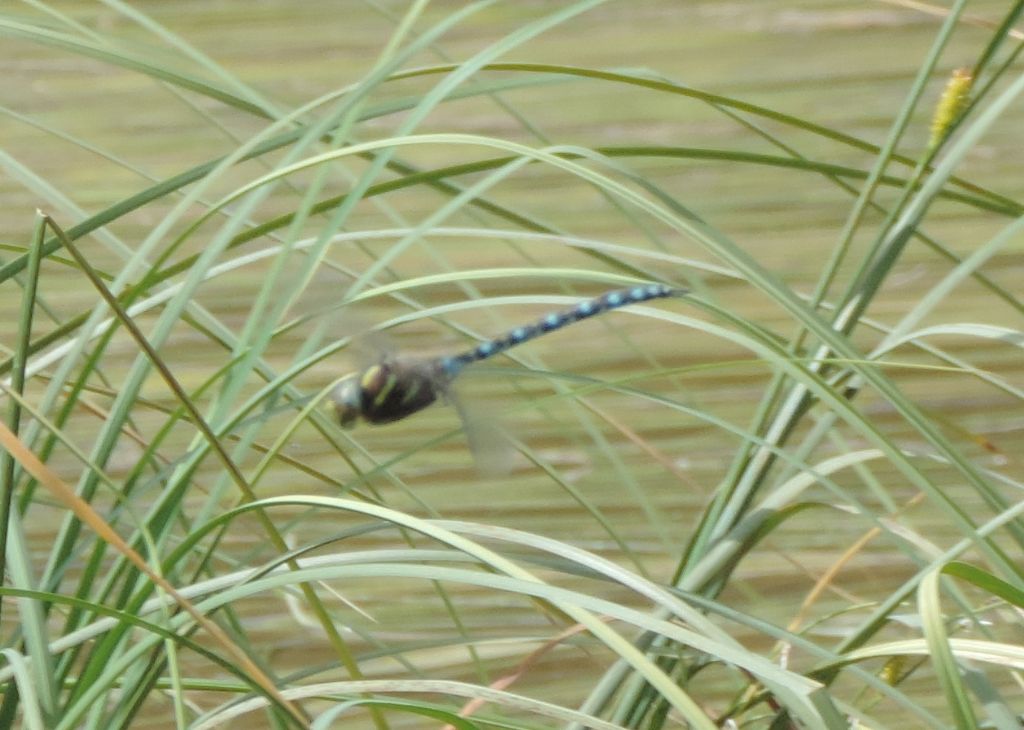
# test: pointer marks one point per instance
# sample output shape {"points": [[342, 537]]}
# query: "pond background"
{"points": [[843, 65]]}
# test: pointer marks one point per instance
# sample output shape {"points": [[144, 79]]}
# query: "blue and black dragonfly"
{"points": [[393, 389]]}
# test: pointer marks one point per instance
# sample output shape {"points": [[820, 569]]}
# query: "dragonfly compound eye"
{"points": [[347, 397]]}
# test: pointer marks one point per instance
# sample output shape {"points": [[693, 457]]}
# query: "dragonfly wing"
{"points": [[492, 448]]}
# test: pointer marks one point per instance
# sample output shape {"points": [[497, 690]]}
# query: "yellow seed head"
{"points": [[952, 102], [893, 669]]}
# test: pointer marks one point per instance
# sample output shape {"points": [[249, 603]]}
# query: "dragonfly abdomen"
{"points": [[557, 320]]}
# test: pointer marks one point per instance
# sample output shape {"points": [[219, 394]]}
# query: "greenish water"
{"points": [[841, 64]]}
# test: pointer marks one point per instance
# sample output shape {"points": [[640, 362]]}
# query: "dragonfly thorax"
{"points": [[388, 391]]}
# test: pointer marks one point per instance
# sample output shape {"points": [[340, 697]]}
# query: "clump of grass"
{"points": [[774, 502]]}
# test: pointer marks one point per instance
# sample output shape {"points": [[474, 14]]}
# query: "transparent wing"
{"points": [[493, 449], [323, 317]]}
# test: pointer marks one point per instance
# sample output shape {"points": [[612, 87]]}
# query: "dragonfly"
{"points": [[396, 388]]}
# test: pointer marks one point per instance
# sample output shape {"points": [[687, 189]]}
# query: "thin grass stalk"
{"points": [[19, 362]]}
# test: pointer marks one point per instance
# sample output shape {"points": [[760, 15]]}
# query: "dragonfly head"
{"points": [[347, 397]]}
